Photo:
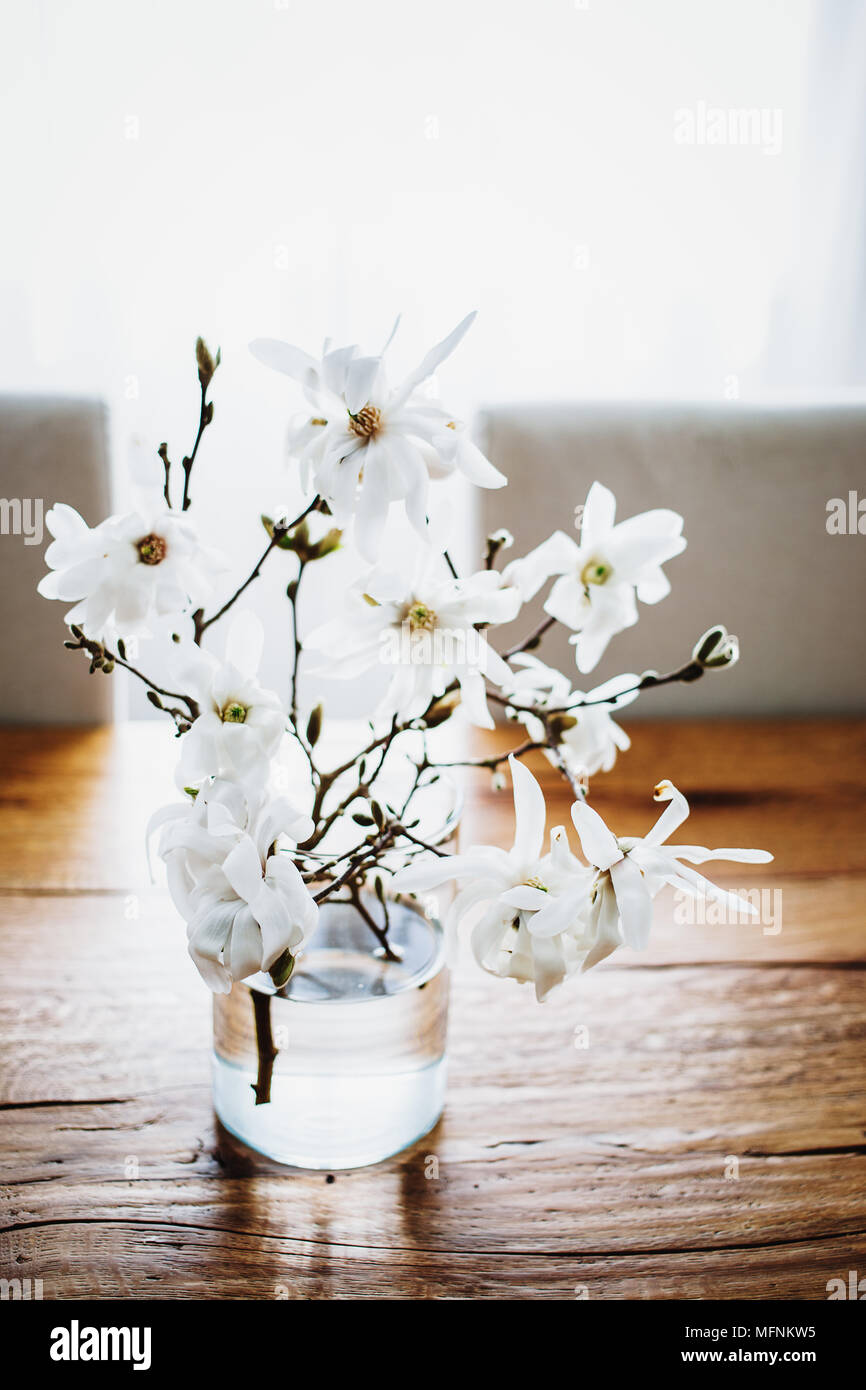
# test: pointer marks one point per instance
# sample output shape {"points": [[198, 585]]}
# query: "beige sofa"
{"points": [[753, 483]]}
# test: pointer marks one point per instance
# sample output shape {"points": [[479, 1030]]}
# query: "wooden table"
{"points": [[709, 1142]]}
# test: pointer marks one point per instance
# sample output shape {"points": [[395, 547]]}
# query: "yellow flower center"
{"points": [[367, 423], [534, 882], [151, 549], [233, 713], [596, 572], [420, 617]]}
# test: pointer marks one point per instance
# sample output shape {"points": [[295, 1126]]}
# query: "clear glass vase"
{"points": [[351, 1051]]}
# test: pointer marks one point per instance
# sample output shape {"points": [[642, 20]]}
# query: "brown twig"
{"points": [[531, 641], [201, 622], [264, 1046]]}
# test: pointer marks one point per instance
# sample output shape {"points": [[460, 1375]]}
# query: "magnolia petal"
{"points": [[700, 887], [475, 466], [360, 379], [243, 869], [208, 934], [487, 934], [672, 816], [372, 512], [525, 897], [432, 873], [599, 514], [548, 962], [245, 946], [559, 914], [696, 854], [529, 813], [272, 914], [634, 903], [607, 929], [598, 843], [433, 359], [557, 555], [281, 818], [64, 523], [474, 699], [466, 900], [283, 357]]}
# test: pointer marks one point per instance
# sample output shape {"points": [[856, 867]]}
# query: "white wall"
{"points": [[294, 168]]}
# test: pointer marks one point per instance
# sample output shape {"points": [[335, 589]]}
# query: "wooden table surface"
{"points": [[709, 1142]]}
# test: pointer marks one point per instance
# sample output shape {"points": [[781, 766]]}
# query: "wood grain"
{"points": [[686, 1123]]}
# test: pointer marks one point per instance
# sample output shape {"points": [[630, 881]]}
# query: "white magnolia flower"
{"points": [[128, 573], [424, 629], [369, 444], [241, 723], [508, 891], [602, 573], [244, 906], [630, 871], [590, 736]]}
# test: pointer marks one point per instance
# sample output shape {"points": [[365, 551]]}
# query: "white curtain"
{"points": [[817, 340]]}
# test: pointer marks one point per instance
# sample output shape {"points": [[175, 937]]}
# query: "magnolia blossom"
{"points": [[630, 871], [241, 723], [589, 735], [425, 630], [508, 891], [244, 905], [129, 572], [601, 575], [369, 444]]}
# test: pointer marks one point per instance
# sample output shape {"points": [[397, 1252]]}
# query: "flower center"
{"points": [[233, 713], [367, 423], [534, 882], [596, 572], [420, 617], [151, 549]]}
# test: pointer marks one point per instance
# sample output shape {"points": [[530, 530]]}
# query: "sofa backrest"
{"points": [[51, 449], [755, 484]]}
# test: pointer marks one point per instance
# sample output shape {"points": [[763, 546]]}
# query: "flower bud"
{"points": [[442, 709], [327, 545], [205, 361], [281, 970], [559, 724], [496, 541], [314, 726], [716, 649]]}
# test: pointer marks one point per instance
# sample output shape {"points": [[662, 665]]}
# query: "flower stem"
{"points": [[264, 1045], [531, 641], [201, 622]]}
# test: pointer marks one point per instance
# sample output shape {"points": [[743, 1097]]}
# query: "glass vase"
{"points": [[344, 1065]]}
